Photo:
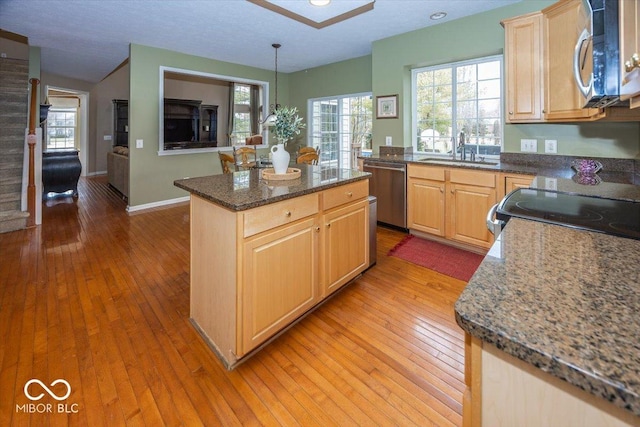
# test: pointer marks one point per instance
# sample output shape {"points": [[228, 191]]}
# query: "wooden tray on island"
{"points": [[271, 175]]}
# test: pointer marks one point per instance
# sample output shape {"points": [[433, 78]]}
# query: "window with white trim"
{"points": [[61, 128], [241, 112], [458, 102], [341, 128]]}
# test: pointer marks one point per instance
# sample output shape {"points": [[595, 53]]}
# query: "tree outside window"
{"points": [[341, 128], [61, 128], [455, 99]]}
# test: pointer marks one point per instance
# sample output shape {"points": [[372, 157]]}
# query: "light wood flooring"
{"points": [[100, 299]]}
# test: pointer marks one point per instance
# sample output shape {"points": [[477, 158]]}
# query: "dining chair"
{"points": [[245, 157], [305, 150], [308, 158], [227, 162]]}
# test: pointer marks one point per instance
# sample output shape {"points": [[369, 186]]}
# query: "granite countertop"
{"points": [[615, 170], [565, 301], [244, 190], [616, 181]]}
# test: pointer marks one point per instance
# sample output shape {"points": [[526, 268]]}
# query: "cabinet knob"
{"points": [[453, 192], [287, 214], [317, 229], [329, 225], [442, 190], [511, 113], [349, 194], [632, 63]]}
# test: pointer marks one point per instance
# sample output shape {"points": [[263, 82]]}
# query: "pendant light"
{"points": [[271, 118]]}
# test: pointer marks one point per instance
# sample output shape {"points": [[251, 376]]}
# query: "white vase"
{"points": [[280, 159]]}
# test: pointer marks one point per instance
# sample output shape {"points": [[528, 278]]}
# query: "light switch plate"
{"points": [[551, 146], [107, 137], [388, 140], [139, 143]]}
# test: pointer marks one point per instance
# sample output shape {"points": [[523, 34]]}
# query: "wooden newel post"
{"points": [[31, 142]]}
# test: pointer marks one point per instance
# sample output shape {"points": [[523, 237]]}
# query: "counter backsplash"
{"points": [[547, 161]]}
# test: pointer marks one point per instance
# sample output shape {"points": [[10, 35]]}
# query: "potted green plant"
{"points": [[287, 125]]}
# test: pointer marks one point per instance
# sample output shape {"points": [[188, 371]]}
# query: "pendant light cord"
{"points": [[276, 46]]}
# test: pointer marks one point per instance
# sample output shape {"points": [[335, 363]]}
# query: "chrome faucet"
{"points": [[461, 145]]}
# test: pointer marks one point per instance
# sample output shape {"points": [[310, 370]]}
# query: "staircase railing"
{"points": [[31, 141]]}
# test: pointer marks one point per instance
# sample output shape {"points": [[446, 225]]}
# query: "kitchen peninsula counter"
{"points": [[264, 253], [565, 302]]}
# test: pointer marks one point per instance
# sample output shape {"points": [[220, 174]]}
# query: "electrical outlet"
{"points": [[551, 184], [107, 137], [139, 143], [529, 145], [388, 140], [550, 146]]}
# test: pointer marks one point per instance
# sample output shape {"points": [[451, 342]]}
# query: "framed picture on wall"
{"points": [[387, 107]]}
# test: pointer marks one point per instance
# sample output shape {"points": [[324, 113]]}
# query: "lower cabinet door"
{"points": [[346, 243], [468, 206], [425, 209], [279, 280]]}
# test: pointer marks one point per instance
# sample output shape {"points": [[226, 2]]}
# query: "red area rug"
{"points": [[450, 261]]}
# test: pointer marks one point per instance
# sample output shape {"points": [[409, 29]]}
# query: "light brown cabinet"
{"points": [[345, 245], [254, 272], [509, 182], [426, 199], [629, 11], [279, 280], [503, 390], [562, 98], [524, 79], [539, 66], [470, 196], [451, 203]]}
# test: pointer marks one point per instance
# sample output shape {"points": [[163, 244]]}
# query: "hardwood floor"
{"points": [[100, 299]]}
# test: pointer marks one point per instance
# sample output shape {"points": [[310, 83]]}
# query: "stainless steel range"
{"points": [[609, 216]]}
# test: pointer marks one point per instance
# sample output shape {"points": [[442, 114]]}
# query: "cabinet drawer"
{"points": [[274, 215], [426, 172], [344, 194], [469, 177]]}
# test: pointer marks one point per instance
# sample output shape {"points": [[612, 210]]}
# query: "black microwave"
{"points": [[596, 61]]}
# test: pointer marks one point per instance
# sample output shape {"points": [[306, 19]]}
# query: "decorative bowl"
{"points": [[586, 166]]}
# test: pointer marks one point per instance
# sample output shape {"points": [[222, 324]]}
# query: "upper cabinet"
{"points": [[630, 51], [539, 50], [562, 23], [524, 77]]}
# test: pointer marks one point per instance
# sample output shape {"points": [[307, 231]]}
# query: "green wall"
{"points": [[151, 176], [386, 71], [476, 36], [340, 78]]}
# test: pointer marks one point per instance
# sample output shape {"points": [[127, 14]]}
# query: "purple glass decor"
{"points": [[586, 166]]}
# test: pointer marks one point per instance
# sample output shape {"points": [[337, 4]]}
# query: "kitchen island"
{"points": [[552, 329], [264, 253]]}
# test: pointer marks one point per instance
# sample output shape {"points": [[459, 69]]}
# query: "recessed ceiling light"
{"points": [[319, 2], [437, 15]]}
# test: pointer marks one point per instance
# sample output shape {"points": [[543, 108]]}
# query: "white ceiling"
{"points": [[87, 39]]}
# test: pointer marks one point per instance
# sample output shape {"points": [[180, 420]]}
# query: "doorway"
{"points": [[70, 109]]}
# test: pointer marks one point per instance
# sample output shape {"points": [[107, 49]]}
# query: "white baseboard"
{"points": [[96, 173], [157, 204]]}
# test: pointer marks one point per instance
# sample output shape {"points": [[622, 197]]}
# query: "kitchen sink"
{"points": [[458, 162]]}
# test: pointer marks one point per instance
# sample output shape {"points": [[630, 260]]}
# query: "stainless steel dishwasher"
{"points": [[388, 184]]}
